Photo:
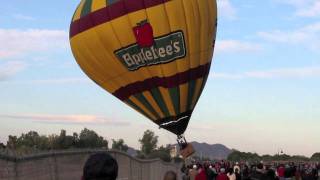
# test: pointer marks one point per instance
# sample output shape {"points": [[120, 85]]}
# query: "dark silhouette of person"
{"points": [[100, 166]]}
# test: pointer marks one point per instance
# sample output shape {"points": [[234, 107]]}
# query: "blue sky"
{"points": [[262, 94]]}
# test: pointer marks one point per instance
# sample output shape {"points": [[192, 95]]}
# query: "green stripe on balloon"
{"points": [[157, 96], [175, 98], [146, 104], [191, 91], [86, 8], [137, 108]]}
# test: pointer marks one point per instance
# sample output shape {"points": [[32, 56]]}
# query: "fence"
{"points": [[68, 165]]}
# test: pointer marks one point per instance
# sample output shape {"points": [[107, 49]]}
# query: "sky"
{"points": [[262, 94]]}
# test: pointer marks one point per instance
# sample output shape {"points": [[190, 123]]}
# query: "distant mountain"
{"points": [[212, 151], [132, 152]]}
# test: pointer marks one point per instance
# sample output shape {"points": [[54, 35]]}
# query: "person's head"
{"points": [[170, 175], [222, 170], [260, 166], [195, 166], [100, 166], [236, 171], [230, 171]]}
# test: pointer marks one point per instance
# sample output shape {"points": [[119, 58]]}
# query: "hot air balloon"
{"points": [[154, 55]]}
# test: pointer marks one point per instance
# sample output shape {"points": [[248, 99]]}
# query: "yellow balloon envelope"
{"points": [[154, 55]]}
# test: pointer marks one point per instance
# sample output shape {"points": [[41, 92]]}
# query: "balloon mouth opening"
{"points": [[176, 124], [174, 121]]}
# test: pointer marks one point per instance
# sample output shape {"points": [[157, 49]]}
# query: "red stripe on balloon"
{"points": [[109, 13], [125, 92]]}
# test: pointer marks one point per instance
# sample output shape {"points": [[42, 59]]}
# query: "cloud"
{"points": [[226, 9], [66, 119], [310, 11], [305, 72], [231, 46], [23, 17], [307, 35], [304, 8], [227, 76], [59, 81], [9, 69], [21, 42]]}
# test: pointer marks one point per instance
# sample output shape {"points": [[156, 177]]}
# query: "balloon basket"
{"points": [[186, 149]]}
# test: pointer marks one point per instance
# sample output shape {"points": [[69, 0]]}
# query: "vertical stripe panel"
{"points": [[191, 89], [157, 16], [86, 8], [137, 108], [141, 106], [133, 19], [183, 97], [175, 97], [77, 13], [160, 101], [98, 4], [146, 104], [153, 103]]}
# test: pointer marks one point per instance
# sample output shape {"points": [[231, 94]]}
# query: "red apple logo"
{"points": [[144, 34]]}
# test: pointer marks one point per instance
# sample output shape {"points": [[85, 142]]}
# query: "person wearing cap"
{"points": [[100, 166]]}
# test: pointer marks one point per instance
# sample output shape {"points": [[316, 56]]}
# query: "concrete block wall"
{"points": [[69, 164]]}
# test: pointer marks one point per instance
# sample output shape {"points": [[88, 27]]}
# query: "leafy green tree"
{"points": [[2, 146], [75, 139], [65, 142], [281, 157], [243, 156], [90, 139], [119, 145], [315, 156], [43, 143], [267, 157], [148, 142], [299, 158], [12, 142], [162, 152], [53, 141], [31, 139]]}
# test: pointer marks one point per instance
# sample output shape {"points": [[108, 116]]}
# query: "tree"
{"points": [[162, 152], [119, 145], [315, 156], [53, 141], [90, 139], [2, 146], [29, 140], [243, 156], [65, 142], [12, 142], [148, 142]]}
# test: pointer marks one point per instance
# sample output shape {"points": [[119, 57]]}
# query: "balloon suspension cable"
{"points": [[182, 142]]}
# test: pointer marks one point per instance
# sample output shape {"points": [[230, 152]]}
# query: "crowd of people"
{"points": [[224, 170], [102, 166]]}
